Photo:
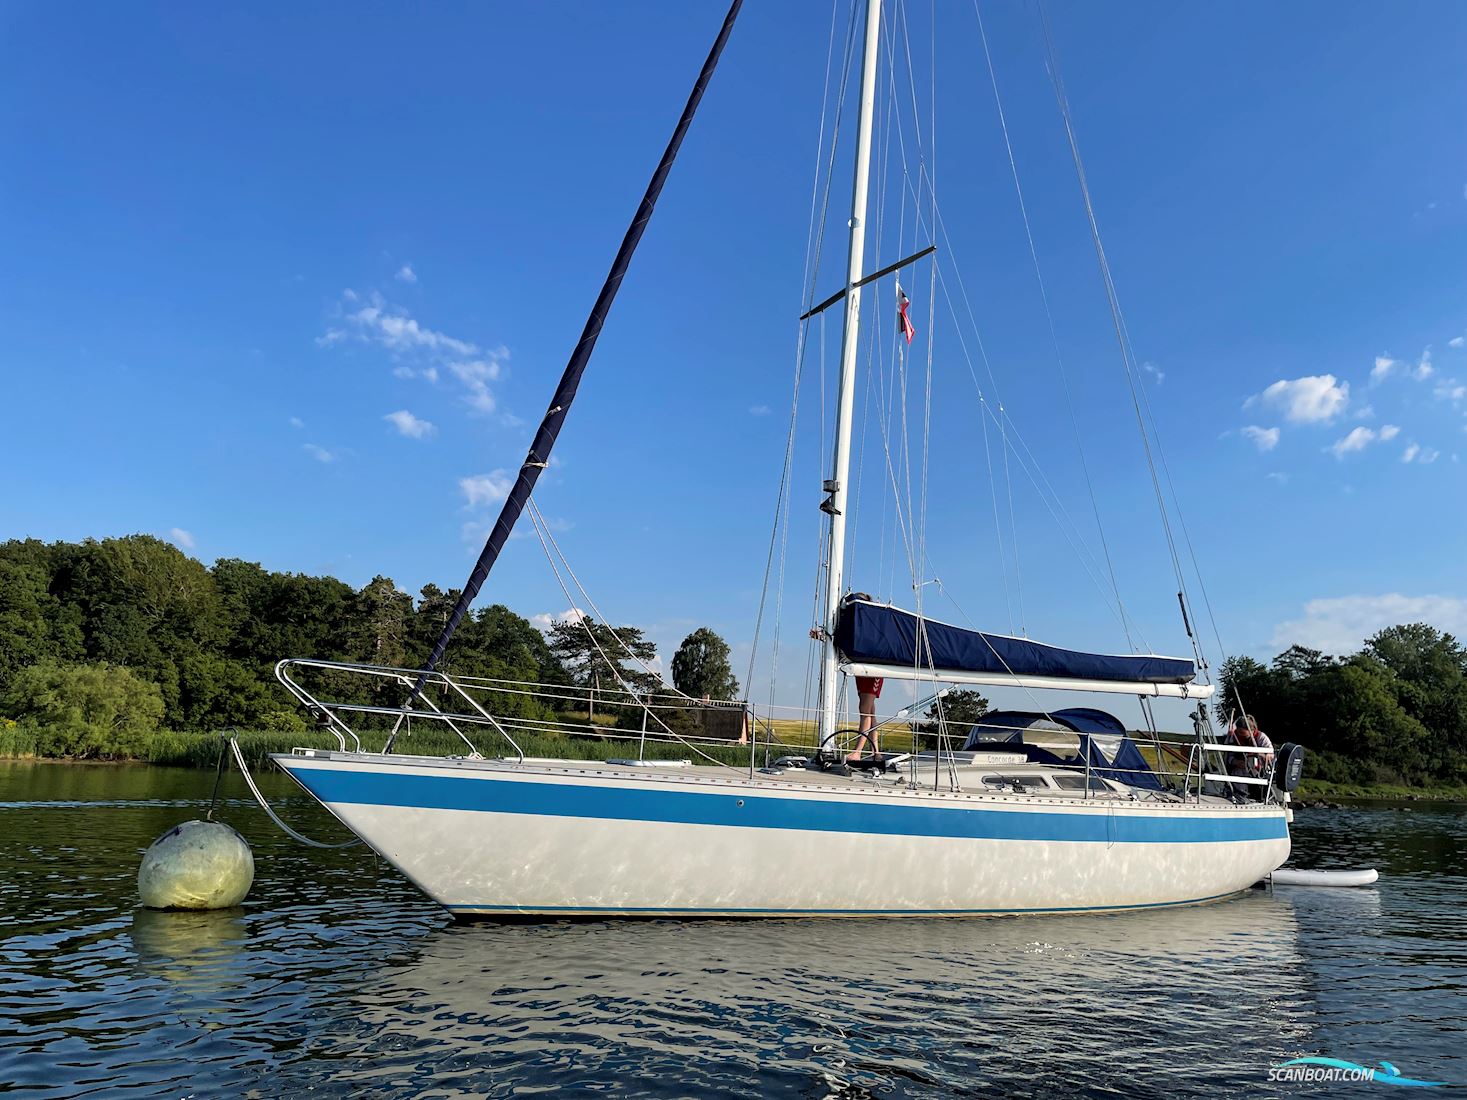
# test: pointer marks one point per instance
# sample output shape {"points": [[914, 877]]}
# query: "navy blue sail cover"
{"points": [[872, 633]]}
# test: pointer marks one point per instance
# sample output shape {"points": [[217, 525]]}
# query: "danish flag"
{"points": [[903, 304]]}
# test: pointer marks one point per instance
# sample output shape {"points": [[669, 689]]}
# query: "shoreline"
{"points": [[1317, 791]]}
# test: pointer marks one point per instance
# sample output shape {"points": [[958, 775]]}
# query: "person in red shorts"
{"points": [[868, 690]]}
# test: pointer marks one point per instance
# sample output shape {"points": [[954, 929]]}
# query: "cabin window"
{"points": [[1077, 783]]}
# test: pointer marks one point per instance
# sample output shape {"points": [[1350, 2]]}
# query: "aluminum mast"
{"points": [[835, 503]]}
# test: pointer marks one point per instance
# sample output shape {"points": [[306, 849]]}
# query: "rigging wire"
{"points": [[1049, 317], [542, 531], [815, 240], [1062, 518], [538, 517], [1113, 300]]}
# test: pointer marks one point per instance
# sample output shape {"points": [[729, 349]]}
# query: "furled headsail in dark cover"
{"points": [[869, 633]]}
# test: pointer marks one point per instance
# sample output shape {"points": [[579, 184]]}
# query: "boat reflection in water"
{"points": [[1178, 1000]]}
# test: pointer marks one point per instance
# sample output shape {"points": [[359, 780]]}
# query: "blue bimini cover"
{"points": [[871, 633], [1102, 742]]}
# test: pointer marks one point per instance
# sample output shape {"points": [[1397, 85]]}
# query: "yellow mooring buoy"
{"points": [[196, 865]]}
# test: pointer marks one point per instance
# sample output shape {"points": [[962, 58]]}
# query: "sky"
{"points": [[293, 284]]}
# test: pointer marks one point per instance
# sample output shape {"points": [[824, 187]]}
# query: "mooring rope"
{"points": [[254, 790]]}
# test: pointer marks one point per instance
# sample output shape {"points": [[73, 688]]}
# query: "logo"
{"points": [[1315, 1070]]}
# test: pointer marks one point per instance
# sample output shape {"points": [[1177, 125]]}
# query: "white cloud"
{"points": [[488, 488], [1357, 440], [1384, 365], [1155, 372], [392, 327], [406, 274], [424, 351], [409, 425], [476, 374], [1422, 456], [181, 538], [759, 410], [1449, 389], [1265, 439], [1360, 438], [1457, 341], [399, 332], [320, 454], [1424, 369], [1340, 624], [1313, 399], [1282, 479], [545, 620], [296, 422]]}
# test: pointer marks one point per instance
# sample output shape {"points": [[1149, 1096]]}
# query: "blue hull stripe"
{"points": [[725, 911], [624, 802]]}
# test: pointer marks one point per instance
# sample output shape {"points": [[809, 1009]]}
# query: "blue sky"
{"points": [[291, 283]]}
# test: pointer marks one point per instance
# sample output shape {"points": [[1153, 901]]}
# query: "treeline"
{"points": [[1396, 712], [104, 640]]}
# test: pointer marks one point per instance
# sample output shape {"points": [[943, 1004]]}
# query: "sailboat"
{"points": [[1055, 810]]}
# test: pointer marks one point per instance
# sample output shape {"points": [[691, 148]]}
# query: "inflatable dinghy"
{"points": [[1289, 876]]}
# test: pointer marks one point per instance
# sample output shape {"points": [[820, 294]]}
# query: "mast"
{"points": [[835, 503]]}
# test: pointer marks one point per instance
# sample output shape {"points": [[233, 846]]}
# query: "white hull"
{"points": [[488, 837]]}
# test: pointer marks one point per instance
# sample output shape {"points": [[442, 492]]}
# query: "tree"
{"points": [[24, 634], [498, 644], [960, 708], [1353, 711], [1244, 682], [380, 615], [85, 709], [1300, 662], [700, 667], [1429, 671], [600, 658]]}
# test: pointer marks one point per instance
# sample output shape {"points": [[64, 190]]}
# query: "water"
{"points": [[337, 978]]}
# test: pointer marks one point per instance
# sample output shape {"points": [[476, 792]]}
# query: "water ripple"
{"points": [[336, 978]]}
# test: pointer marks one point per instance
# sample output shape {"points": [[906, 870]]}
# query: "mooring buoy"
{"points": [[196, 865]]}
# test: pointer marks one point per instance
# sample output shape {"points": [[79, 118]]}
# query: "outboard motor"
{"points": [[1289, 766]]}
